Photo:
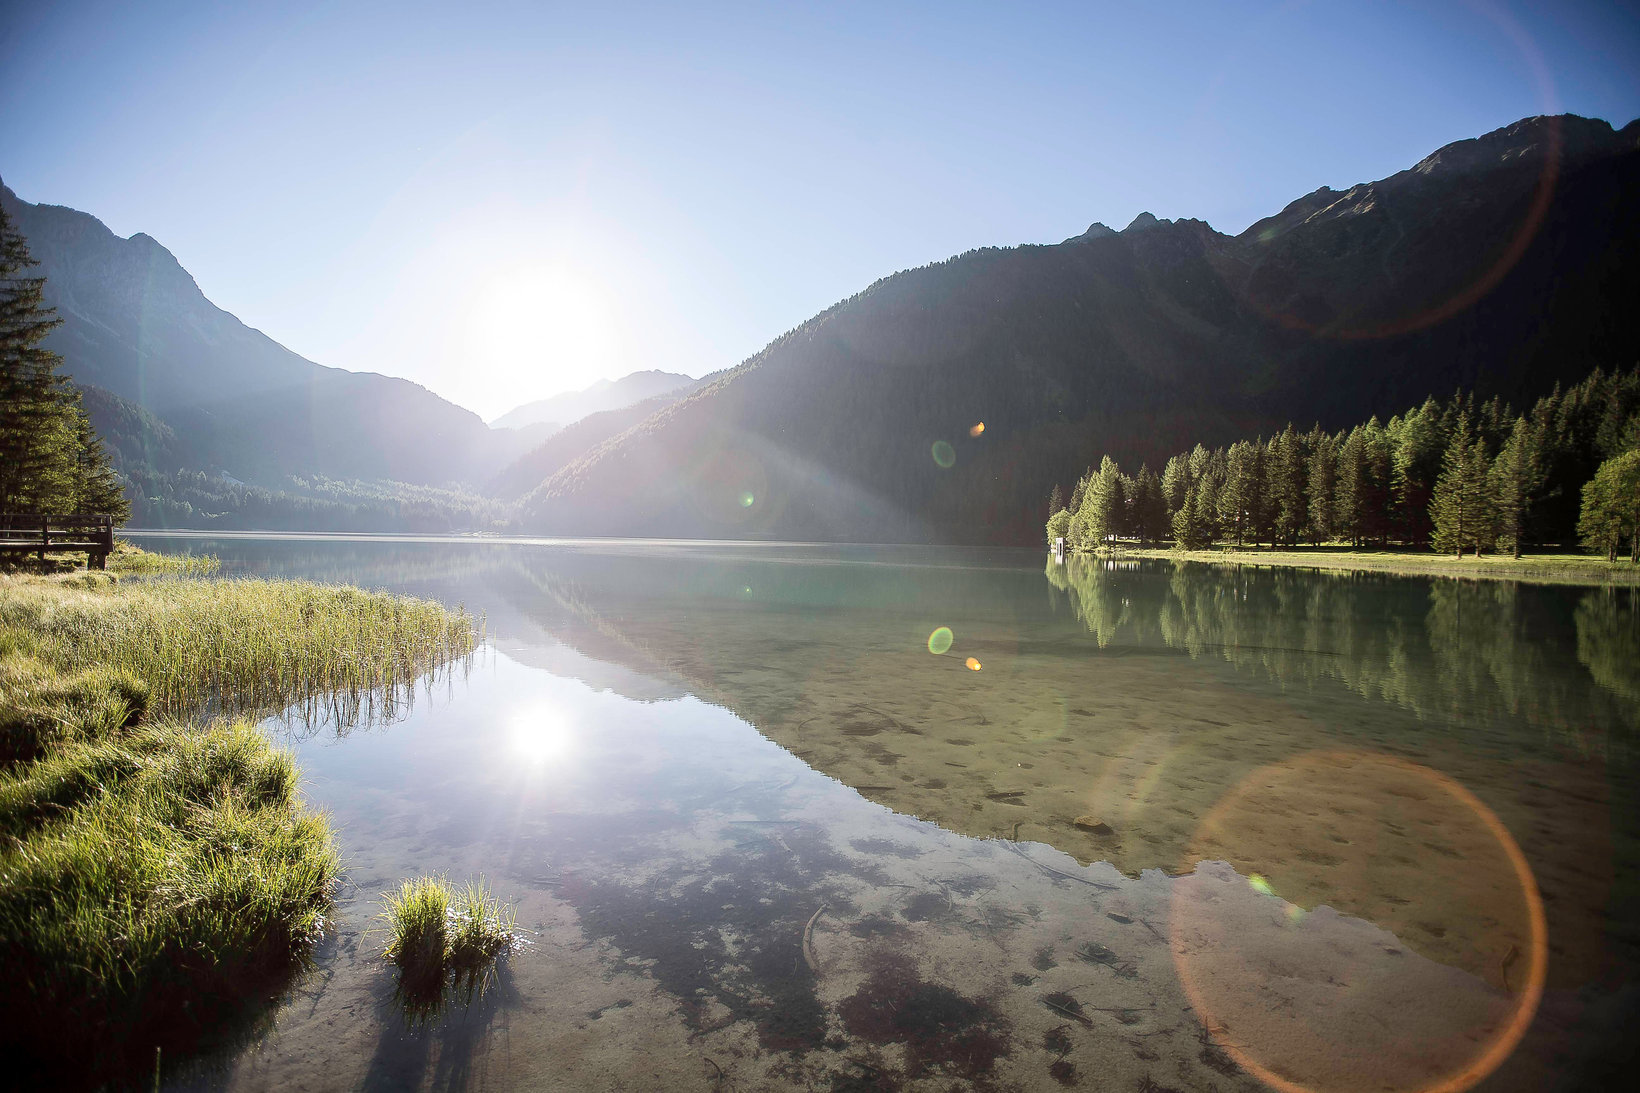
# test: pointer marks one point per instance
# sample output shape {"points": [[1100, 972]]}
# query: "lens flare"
{"points": [[978, 428], [973, 665], [747, 500], [1341, 827], [944, 454], [940, 640]]}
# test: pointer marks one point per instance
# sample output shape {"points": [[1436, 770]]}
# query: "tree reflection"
{"points": [[1468, 654]]}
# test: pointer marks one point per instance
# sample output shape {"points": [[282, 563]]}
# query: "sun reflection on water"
{"points": [[543, 737]]}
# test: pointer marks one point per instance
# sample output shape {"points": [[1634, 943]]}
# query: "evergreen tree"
{"points": [[1288, 476], [1056, 500], [1150, 520], [1238, 496], [1611, 507], [1102, 504], [1175, 483], [97, 489], [1189, 531], [1208, 484], [1323, 487], [1418, 445], [1515, 480], [1463, 511], [50, 458]]}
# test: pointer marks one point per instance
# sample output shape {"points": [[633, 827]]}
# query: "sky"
{"points": [[506, 201]]}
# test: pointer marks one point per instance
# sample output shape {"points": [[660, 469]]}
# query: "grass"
{"points": [[1582, 569], [239, 646], [128, 558], [440, 936], [158, 871]]}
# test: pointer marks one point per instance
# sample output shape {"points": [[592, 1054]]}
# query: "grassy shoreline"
{"points": [[160, 874], [1579, 569]]}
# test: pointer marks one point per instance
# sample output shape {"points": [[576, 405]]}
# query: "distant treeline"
{"points": [[193, 499], [1455, 476]]}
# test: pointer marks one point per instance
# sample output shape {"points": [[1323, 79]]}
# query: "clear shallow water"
{"points": [[1191, 828]]}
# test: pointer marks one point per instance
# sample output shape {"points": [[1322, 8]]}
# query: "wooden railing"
{"points": [[34, 533]]}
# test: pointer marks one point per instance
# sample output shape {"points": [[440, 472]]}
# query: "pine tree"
{"points": [[1149, 507], [1323, 487], [50, 458], [1288, 478], [1188, 530], [1418, 444], [1238, 496], [1463, 511], [1175, 483], [97, 488], [1101, 513], [1516, 478]]}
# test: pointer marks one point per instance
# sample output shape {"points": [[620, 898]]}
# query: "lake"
{"points": [[857, 818]]}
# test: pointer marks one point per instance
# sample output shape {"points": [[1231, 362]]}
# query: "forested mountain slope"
{"points": [[1502, 264]]}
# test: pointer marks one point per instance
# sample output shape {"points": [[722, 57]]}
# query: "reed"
{"points": [[128, 558], [159, 874], [440, 936], [241, 646]]}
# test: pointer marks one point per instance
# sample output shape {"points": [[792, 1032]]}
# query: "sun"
{"points": [[536, 332]]}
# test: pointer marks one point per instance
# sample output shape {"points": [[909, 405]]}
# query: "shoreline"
{"points": [[1569, 569]]}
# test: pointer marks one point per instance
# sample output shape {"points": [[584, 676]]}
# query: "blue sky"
{"points": [[502, 201]]}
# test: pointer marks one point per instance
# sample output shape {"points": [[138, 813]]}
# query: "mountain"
{"points": [[565, 446], [137, 327], [943, 403], [571, 406]]}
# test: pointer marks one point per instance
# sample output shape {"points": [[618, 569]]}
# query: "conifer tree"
{"points": [[1189, 533], [1149, 507], [1238, 496], [1462, 509], [1419, 444], [1288, 476], [50, 459], [1516, 477], [1323, 487], [1175, 482]]}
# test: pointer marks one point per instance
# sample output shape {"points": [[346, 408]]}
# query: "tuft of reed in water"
{"points": [[442, 935], [158, 872]]}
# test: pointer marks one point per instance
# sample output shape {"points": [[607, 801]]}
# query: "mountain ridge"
{"points": [[1139, 343], [137, 325], [568, 407]]}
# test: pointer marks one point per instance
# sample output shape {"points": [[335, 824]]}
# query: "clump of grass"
{"points": [[40, 706], [441, 936], [243, 646], [158, 873], [148, 884]]}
